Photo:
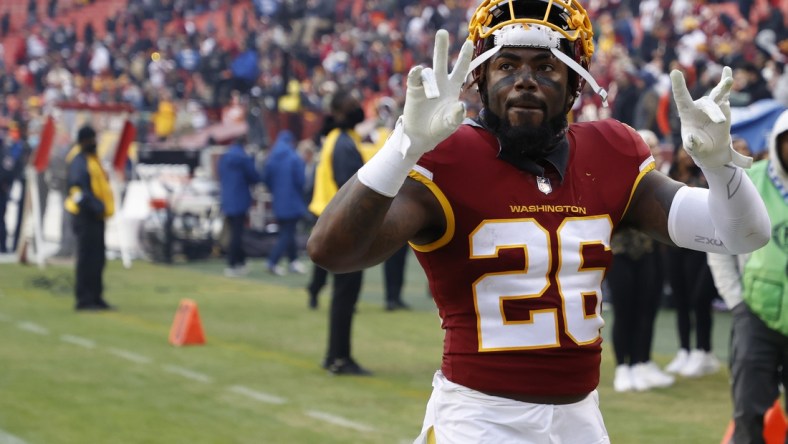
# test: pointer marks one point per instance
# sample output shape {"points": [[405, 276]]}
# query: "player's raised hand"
{"points": [[706, 123], [431, 113], [432, 108]]}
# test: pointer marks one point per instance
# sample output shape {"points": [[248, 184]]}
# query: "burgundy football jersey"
{"points": [[517, 275]]}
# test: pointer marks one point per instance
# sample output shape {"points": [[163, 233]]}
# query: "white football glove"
{"points": [[431, 113], [432, 108], [706, 123]]}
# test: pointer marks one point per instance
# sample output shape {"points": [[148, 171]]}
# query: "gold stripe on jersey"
{"points": [[448, 213], [650, 166]]}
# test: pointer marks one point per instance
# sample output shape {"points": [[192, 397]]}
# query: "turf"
{"points": [[68, 377]]}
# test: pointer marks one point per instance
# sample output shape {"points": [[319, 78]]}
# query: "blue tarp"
{"points": [[754, 123]]}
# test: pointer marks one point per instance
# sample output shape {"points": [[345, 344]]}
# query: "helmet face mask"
{"points": [[563, 20]]}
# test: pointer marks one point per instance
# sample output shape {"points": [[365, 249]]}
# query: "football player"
{"points": [[511, 215]]}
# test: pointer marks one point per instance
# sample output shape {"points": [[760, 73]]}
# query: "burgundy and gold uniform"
{"points": [[517, 274]]}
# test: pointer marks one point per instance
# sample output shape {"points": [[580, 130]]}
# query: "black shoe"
{"points": [[102, 303], [342, 366], [396, 305], [95, 307]]}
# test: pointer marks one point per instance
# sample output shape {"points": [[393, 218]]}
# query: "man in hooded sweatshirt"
{"points": [[237, 173], [755, 287], [284, 174]]}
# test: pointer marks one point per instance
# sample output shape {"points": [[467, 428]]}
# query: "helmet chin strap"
{"points": [[536, 36]]}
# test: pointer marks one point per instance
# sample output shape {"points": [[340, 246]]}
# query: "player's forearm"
{"points": [[739, 214], [728, 218], [348, 234]]}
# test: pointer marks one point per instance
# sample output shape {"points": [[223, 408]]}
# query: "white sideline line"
{"points": [[186, 373], [131, 356], [32, 328], [77, 340], [7, 438], [338, 420], [257, 396]]}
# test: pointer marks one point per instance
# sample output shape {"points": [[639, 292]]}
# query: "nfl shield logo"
{"points": [[543, 184]]}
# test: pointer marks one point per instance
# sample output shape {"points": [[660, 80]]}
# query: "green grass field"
{"points": [[68, 377]]}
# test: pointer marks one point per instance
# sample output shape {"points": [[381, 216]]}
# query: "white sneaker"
{"points": [[277, 270], [242, 270], [623, 379], [710, 364], [656, 377], [231, 272], [678, 362], [297, 267], [695, 366], [640, 380]]}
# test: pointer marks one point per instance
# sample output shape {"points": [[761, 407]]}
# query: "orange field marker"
{"points": [[774, 426], [187, 327]]}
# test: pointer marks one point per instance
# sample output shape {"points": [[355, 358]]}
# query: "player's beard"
{"points": [[526, 142]]}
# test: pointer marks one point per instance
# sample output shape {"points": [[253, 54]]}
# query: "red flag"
{"points": [[41, 159], [127, 136]]}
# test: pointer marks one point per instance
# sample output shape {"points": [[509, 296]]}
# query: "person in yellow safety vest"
{"points": [[340, 158], [290, 108], [393, 267], [90, 200], [164, 117]]}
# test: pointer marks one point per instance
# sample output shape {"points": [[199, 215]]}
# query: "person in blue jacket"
{"points": [[237, 173], [284, 174]]}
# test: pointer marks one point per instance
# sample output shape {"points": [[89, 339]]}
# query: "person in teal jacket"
{"points": [[755, 287]]}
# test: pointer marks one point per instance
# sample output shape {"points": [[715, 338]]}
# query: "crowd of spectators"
{"points": [[275, 63]]}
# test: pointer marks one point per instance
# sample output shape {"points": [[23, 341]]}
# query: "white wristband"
{"points": [[387, 170]]}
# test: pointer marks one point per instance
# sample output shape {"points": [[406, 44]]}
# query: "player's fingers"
{"points": [[722, 90], [711, 109], [463, 64], [454, 114], [447, 119], [430, 83], [680, 93], [414, 77], [440, 56]]}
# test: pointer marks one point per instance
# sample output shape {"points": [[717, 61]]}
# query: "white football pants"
{"points": [[460, 415]]}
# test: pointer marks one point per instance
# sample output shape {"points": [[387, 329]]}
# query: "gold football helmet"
{"points": [[568, 18], [560, 25]]}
